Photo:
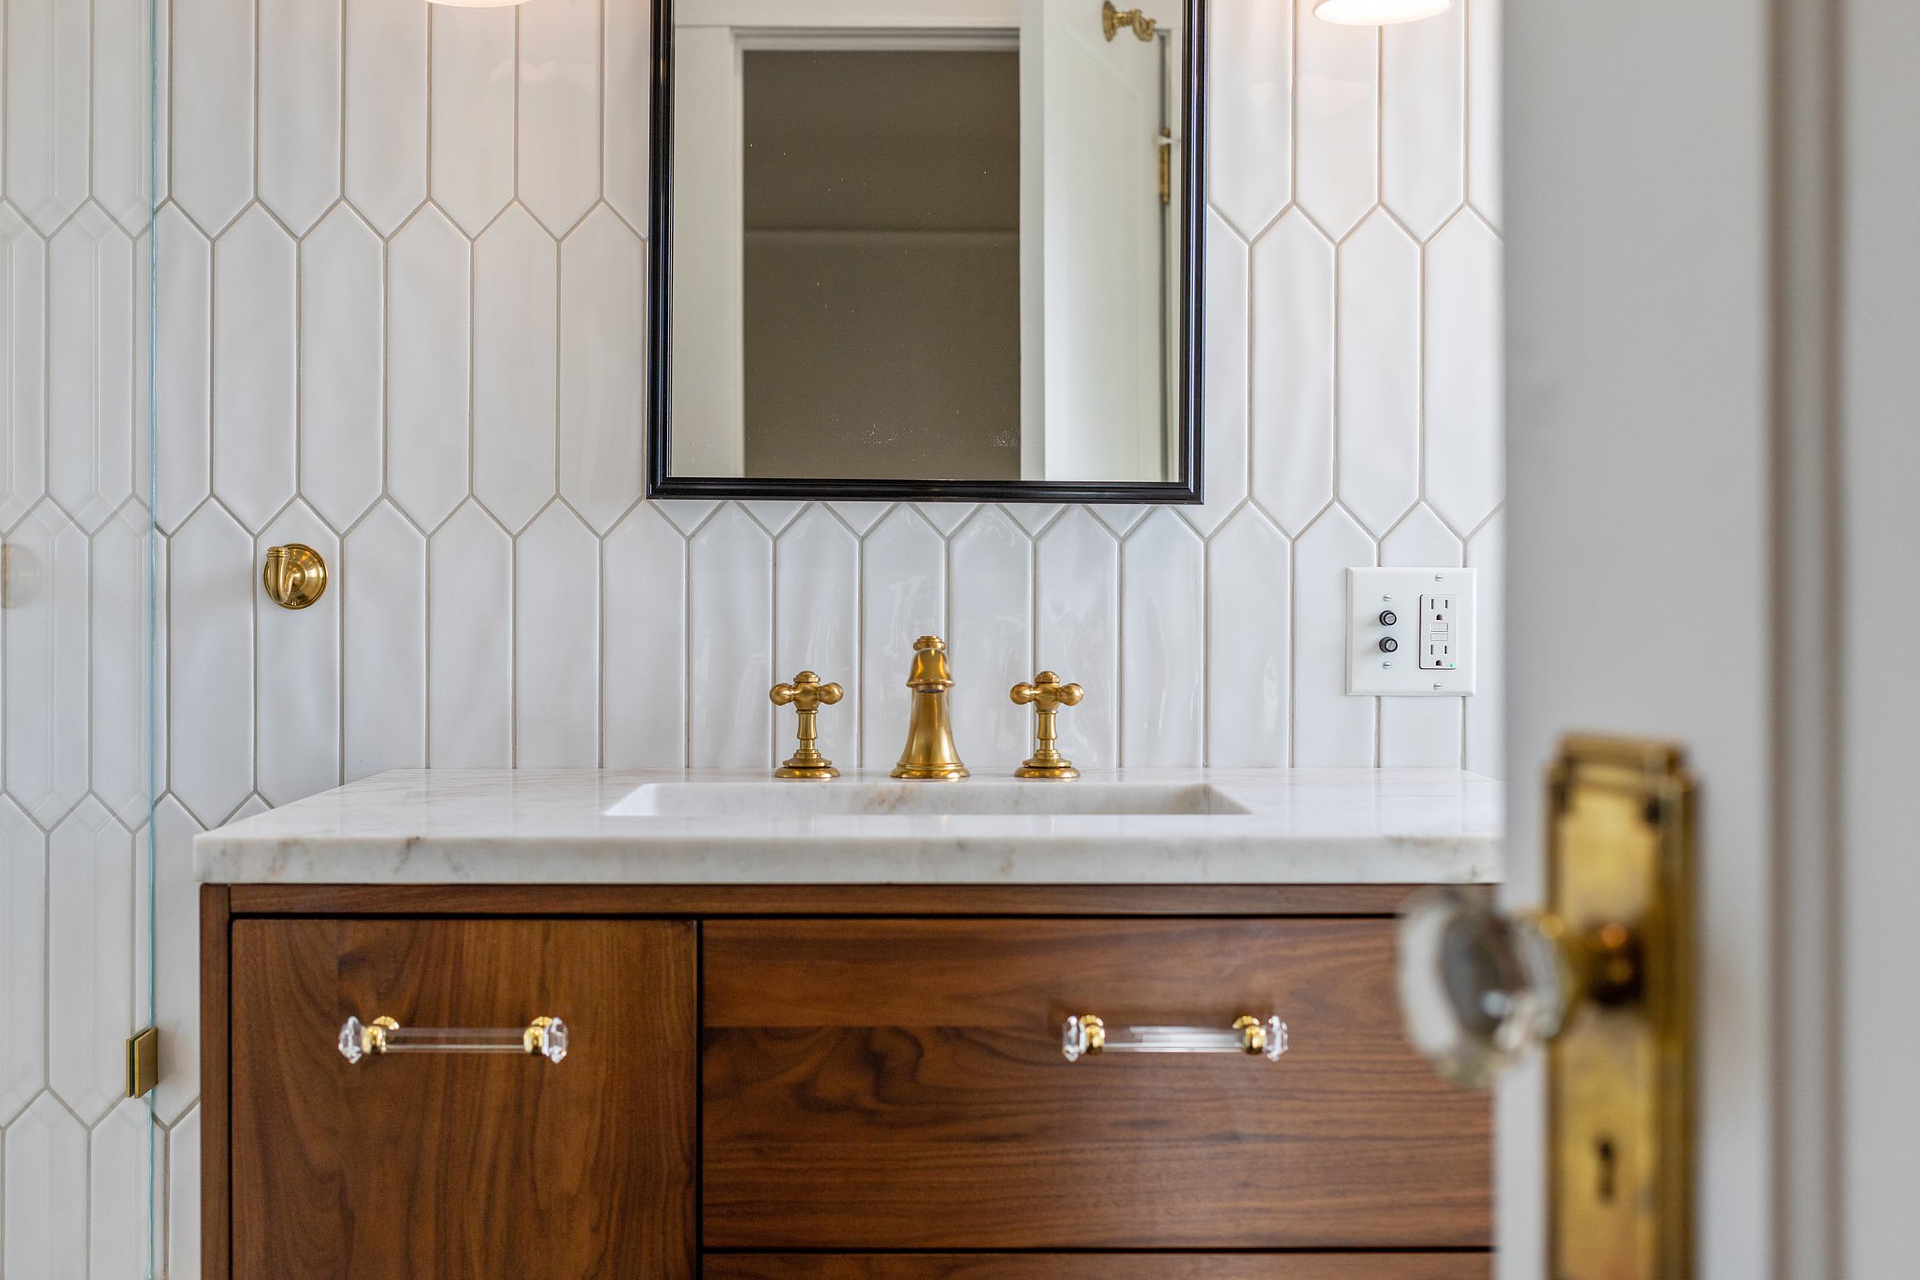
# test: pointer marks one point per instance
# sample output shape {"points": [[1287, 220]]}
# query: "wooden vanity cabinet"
{"points": [[848, 1083]]}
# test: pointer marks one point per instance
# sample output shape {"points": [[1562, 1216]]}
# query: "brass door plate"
{"points": [[1620, 853], [143, 1062]]}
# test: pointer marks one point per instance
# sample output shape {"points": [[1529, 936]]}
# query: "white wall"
{"points": [[401, 299]]}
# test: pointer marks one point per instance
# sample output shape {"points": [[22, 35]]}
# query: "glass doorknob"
{"points": [[1479, 988]]}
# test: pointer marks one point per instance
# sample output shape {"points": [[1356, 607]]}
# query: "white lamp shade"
{"points": [[1378, 13]]}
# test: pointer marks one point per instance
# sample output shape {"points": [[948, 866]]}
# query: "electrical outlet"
{"points": [[1410, 632]]}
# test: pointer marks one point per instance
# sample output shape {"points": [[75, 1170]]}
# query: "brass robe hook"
{"points": [[295, 575]]}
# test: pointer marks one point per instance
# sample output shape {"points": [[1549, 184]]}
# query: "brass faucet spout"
{"points": [[930, 752]]}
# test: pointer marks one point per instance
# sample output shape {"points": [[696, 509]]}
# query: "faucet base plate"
{"points": [[930, 772]]}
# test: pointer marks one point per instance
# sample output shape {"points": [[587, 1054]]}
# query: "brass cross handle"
{"points": [[807, 695], [1047, 695]]}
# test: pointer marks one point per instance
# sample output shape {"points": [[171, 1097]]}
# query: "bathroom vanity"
{"points": [[852, 1029]]}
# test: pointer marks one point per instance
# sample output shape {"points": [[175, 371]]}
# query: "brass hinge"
{"points": [[143, 1062], [1165, 146]]}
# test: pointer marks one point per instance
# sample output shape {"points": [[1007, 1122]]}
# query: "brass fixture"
{"points": [[1113, 21], [1604, 978], [930, 752], [1047, 695], [1087, 1034], [295, 575], [543, 1037], [806, 695], [143, 1062]]}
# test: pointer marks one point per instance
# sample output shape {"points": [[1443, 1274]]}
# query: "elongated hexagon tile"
{"points": [[730, 571], [1329, 727], [429, 306], [384, 110], [297, 722], [45, 676], [470, 631], [1225, 400], [1486, 729], [1483, 108], [1163, 644], [211, 109], [602, 374], [686, 514], [183, 1216], [904, 565], [45, 1193], [383, 592], [1250, 137], [644, 658], [254, 373], [1249, 647], [861, 517], [991, 623], [514, 360], [1466, 454], [774, 516], [121, 121], [183, 414], [23, 372], [212, 582], [300, 58], [626, 106], [1076, 630], [472, 87], [556, 668], [816, 624], [1420, 731], [119, 630], [1292, 372], [1337, 99], [1379, 373], [176, 938], [48, 114], [559, 110], [90, 365], [90, 958], [1423, 119], [945, 516], [1033, 516], [23, 959], [341, 362], [118, 1194]]}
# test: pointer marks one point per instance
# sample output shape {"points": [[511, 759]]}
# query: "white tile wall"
{"points": [[401, 282]]}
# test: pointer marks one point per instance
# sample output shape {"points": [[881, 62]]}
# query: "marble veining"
{"points": [[1134, 826]]}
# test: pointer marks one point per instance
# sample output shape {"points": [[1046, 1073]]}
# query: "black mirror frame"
{"points": [[662, 484]]}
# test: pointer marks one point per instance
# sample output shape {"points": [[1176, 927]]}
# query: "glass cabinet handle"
{"points": [[1085, 1033], [544, 1036]]}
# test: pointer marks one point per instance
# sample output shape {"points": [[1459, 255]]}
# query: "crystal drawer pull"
{"points": [[546, 1037], [1087, 1034]]}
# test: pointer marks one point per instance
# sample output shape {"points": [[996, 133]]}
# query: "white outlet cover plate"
{"points": [[1371, 592]]}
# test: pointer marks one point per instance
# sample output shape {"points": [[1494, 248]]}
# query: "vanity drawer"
{"points": [[1099, 1266], [434, 1164], [899, 1084]]}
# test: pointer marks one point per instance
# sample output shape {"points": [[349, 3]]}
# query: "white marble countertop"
{"points": [[1229, 826]]}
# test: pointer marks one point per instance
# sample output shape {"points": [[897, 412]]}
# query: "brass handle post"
{"points": [[806, 695], [1047, 695]]}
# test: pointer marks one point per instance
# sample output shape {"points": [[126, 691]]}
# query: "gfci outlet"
{"points": [[1410, 632]]}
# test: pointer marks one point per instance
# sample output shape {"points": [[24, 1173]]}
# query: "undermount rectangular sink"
{"points": [[969, 798]]}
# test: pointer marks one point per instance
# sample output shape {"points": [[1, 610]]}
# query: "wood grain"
{"points": [[430, 1166], [1100, 1266], [888, 1084], [821, 900], [216, 1254]]}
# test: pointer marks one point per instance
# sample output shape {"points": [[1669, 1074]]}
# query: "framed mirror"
{"points": [[926, 249]]}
